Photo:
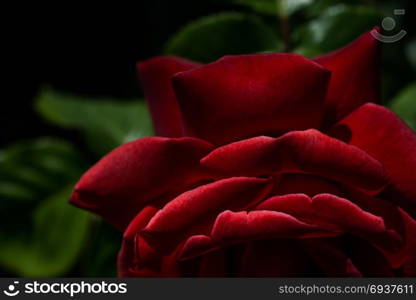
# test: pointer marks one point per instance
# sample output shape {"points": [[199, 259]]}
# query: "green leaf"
{"points": [[106, 123], [52, 247], [29, 169], [41, 233], [405, 105], [212, 37], [329, 31], [288, 7]]}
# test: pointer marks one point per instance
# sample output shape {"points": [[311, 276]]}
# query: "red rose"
{"points": [[270, 165]]}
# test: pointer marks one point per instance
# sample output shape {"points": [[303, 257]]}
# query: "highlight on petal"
{"points": [[308, 151], [336, 214], [242, 96], [194, 211], [234, 227], [155, 76], [139, 172], [380, 133], [355, 77]]}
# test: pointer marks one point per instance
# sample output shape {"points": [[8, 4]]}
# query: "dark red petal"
{"points": [[196, 209], [197, 245], [155, 77], [136, 173], [409, 252], [335, 213], [306, 151], [368, 259], [247, 95], [381, 134], [128, 256], [310, 185], [330, 258], [236, 227], [275, 258], [355, 77], [232, 228], [125, 259]]}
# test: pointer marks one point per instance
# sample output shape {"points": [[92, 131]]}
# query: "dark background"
{"points": [[91, 50], [87, 50]]}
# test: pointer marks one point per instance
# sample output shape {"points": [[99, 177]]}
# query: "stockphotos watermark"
{"points": [[63, 288], [388, 24]]}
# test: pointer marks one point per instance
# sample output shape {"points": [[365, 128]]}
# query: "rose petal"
{"points": [[310, 185], [381, 134], [136, 173], [197, 245], [247, 95], [355, 77], [196, 209], [368, 259], [306, 151], [337, 214], [409, 252], [236, 227], [155, 77]]}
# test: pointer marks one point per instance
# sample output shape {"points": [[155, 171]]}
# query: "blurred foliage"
{"points": [[405, 105], [42, 235], [106, 123], [273, 7], [209, 38], [328, 31], [30, 169]]}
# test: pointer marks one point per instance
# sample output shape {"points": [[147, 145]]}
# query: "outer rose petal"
{"points": [[306, 151], [155, 76], [355, 77], [381, 134], [134, 174], [247, 95]]}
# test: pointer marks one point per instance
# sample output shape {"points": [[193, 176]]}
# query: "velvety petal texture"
{"points": [[355, 77], [380, 133], [298, 152], [139, 172], [155, 77], [248, 95], [271, 165]]}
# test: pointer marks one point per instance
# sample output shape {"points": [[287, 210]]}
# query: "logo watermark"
{"points": [[389, 24], [11, 290], [64, 288]]}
